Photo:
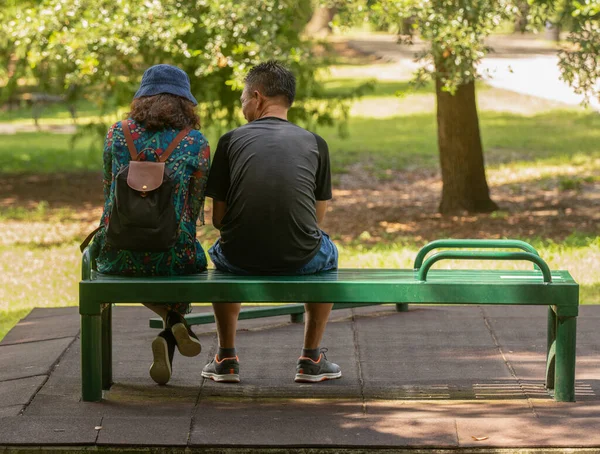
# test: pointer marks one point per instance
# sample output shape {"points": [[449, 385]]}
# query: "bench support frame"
{"points": [[563, 300]]}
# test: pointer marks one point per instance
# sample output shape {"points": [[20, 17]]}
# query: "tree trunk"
{"points": [[553, 31], [319, 22], [461, 155], [521, 16]]}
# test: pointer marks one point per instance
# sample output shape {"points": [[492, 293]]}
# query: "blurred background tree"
{"points": [[70, 46], [454, 33], [579, 60], [103, 48]]}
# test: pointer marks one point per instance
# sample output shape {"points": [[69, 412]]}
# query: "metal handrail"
{"points": [[481, 255], [483, 244]]}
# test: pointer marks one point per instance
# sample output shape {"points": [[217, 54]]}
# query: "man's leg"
{"points": [[312, 365], [225, 366], [226, 317], [317, 315]]}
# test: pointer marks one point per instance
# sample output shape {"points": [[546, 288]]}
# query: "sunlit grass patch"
{"points": [[39, 212], [38, 276], [43, 152], [48, 276], [56, 113]]}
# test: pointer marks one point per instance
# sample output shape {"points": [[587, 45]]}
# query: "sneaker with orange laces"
{"points": [[223, 370], [310, 371]]}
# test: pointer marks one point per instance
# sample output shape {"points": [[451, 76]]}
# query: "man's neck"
{"points": [[274, 111]]}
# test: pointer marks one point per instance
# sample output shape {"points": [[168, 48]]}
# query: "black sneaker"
{"points": [[225, 370], [187, 342], [163, 349], [311, 371]]}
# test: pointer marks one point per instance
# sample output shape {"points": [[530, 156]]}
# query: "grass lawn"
{"points": [[528, 144]]}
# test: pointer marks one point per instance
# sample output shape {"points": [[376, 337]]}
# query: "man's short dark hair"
{"points": [[272, 79]]}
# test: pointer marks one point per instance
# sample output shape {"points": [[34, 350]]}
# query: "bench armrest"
{"points": [[482, 244], [88, 261], [480, 255]]}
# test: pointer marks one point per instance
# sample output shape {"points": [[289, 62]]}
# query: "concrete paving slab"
{"points": [[268, 364], [13, 410], [30, 359], [43, 312], [450, 391], [518, 332], [567, 410], [501, 311], [423, 365], [426, 364], [39, 328], [527, 432], [35, 430], [287, 424], [530, 366], [121, 401], [422, 327], [448, 409], [143, 430], [19, 391], [431, 387], [65, 378], [513, 329]]}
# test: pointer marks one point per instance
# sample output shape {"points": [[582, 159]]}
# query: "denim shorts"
{"points": [[326, 259]]}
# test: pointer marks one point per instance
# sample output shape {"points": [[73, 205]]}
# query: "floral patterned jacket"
{"points": [[189, 163]]}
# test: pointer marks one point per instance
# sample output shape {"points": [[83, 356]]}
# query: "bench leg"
{"points": [[401, 307], [566, 332], [107, 346], [91, 358], [551, 349]]}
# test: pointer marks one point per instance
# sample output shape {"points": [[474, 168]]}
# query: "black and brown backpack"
{"points": [[143, 216]]}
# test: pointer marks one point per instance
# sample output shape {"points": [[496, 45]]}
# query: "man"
{"points": [[270, 181]]}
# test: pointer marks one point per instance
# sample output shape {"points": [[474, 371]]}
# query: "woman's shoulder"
{"points": [[196, 137], [132, 124], [116, 128]]}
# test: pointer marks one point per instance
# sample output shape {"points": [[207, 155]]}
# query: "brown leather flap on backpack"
{"points": [[145, 176]]}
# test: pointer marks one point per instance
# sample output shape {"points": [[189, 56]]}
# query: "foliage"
{"points": [[104, 47], [579, 62], [454, 30]]}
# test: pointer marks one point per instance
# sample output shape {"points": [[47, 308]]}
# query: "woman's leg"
{"points": [[162, 310]]}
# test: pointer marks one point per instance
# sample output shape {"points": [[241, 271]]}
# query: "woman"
{"points": [[161, 109]]}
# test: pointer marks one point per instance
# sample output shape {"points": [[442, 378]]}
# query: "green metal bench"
{"points": [[350, 287]]}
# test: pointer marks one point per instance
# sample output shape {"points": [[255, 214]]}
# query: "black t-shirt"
{"points": [[270, 173]]}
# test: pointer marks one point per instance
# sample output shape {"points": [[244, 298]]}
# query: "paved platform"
{"points": [[434, 379]]}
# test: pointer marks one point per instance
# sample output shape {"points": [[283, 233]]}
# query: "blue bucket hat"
{"points": [[165, 79]]}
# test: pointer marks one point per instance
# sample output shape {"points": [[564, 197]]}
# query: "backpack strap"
{"points": [[127, 133], [88, 239], [163, 157], [176, 141]]}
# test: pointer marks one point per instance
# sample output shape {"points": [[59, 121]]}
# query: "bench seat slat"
{"points": [[343, 286], [373, 276]]}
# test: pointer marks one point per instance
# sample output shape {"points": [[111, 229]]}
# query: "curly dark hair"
{"points": [[164, 111]]}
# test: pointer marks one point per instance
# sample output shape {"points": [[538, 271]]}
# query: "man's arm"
{"points": [[321, 206], [219, 209], [218, 181]]}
